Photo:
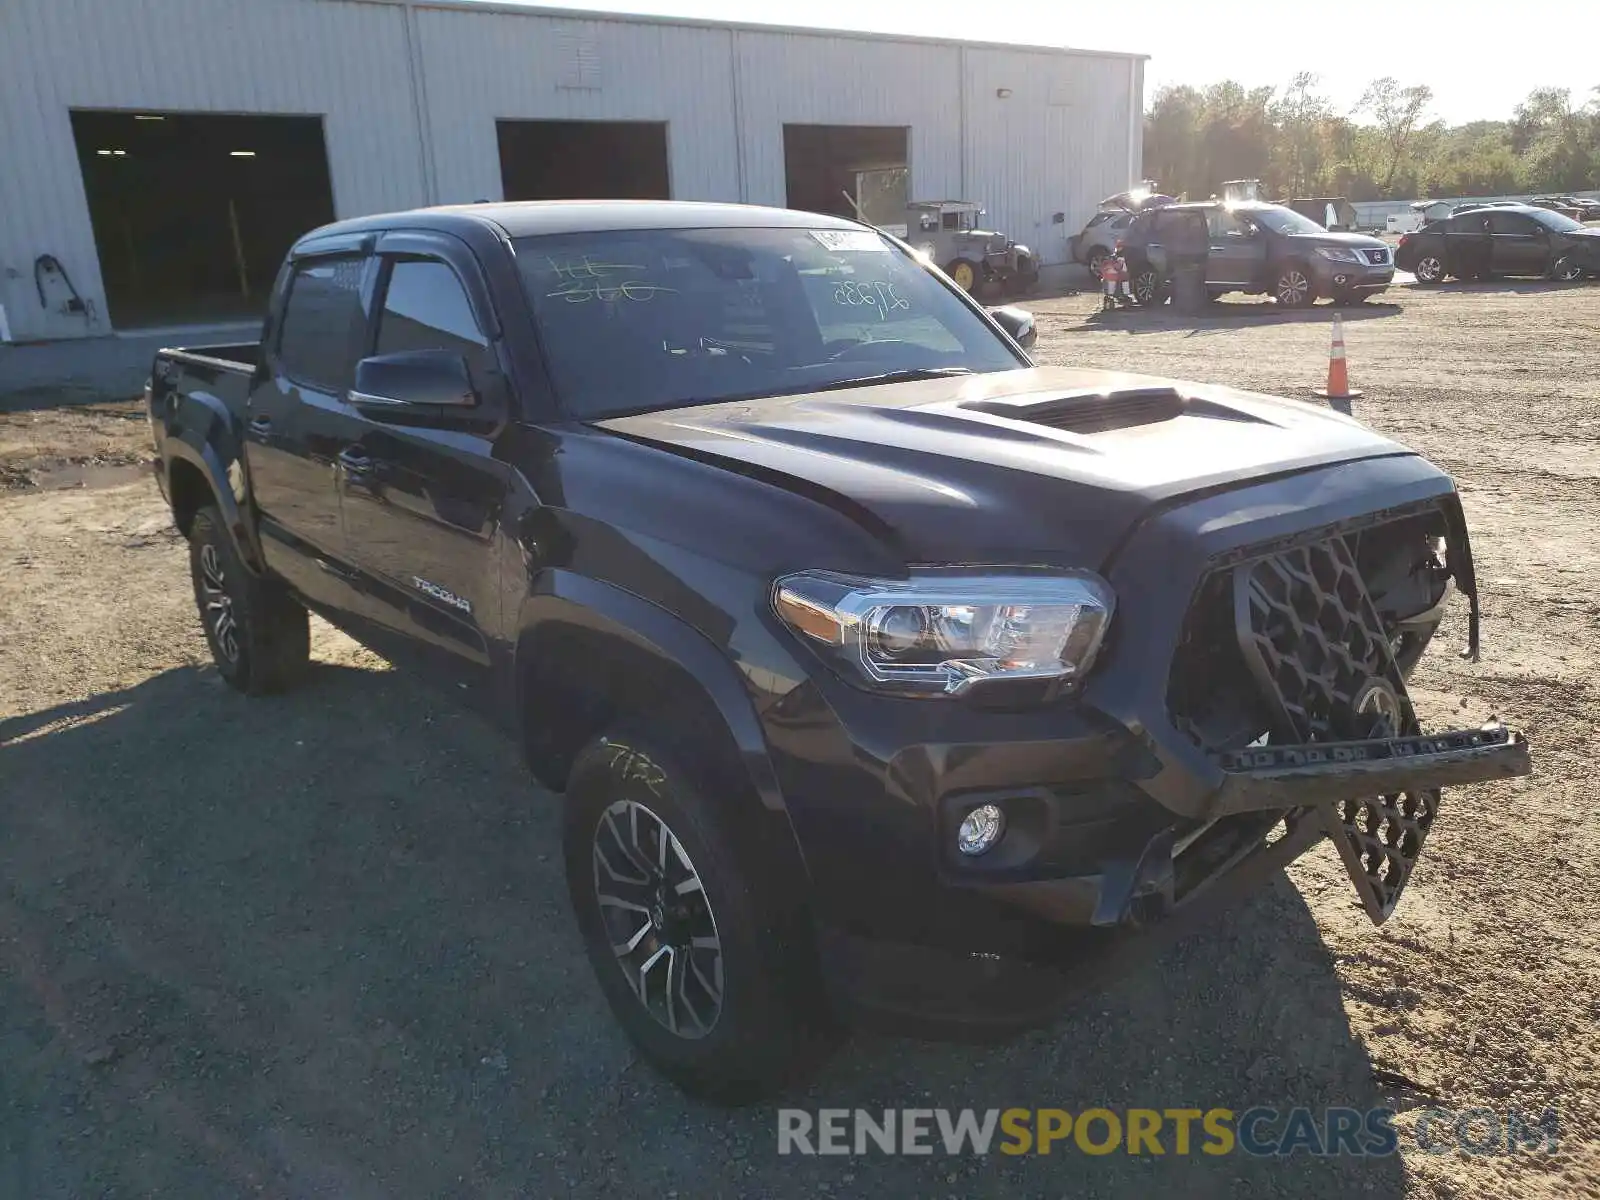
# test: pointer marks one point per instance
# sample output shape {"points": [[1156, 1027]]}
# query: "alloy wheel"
{"points": [[1568, 271], [1144, 286], [1430, 270], [218, 613], [1293, 288], [658, 919]]}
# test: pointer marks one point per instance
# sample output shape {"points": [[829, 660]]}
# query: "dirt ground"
{"points": [[318, 945]]}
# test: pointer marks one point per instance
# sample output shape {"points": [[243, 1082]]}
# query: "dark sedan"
{"points": [[1509, 240]]}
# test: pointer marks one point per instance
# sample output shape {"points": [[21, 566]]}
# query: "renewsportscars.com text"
{"points": [[1258, 1131]]}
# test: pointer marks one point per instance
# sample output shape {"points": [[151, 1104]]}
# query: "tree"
{"points": [[1397, 111], [1301, 116], [1556, 141]]}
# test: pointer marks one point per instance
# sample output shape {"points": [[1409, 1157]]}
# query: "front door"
{"points": [[1238, 251], [1521, 244], [298, 422], [423, 500]]}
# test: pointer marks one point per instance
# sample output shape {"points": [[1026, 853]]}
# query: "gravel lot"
{"points": [[318, 945]]}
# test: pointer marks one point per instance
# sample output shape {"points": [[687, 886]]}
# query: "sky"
{"points": [[1477, 66]]}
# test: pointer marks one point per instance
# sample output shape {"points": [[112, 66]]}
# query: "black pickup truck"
{"points": [[884, 673]]}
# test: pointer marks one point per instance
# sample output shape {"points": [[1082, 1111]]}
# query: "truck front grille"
{"points": [[1315, 644], [1290, 645]]}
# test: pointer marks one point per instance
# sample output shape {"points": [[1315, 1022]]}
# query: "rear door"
{"points": [[1521, 244], [298, 420], [423, 501], [1467, 246]]}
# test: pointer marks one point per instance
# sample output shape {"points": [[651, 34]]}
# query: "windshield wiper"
{"points": [[901, 376], [800, 389]]}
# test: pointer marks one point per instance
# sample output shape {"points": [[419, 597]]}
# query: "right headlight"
{"points": [[952, 631]]}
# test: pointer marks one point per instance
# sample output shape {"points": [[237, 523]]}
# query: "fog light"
{"points": [[980, 829]]}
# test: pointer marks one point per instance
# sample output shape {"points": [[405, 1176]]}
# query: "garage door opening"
{"points": [[825, 163], [193, 213], [583, 160]]}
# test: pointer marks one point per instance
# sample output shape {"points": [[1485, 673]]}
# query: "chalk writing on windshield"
{"points": [[584, 279], [879, 296]]}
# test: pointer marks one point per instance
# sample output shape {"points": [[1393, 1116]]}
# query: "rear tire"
{"points": [[1430, 269], [1148, 287], [711, 978], [260, 635]]}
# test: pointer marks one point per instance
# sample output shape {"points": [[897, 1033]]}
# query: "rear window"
{"points": [[322, 322]]}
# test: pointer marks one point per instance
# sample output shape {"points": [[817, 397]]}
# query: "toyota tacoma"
{"points": [[884, 674]]}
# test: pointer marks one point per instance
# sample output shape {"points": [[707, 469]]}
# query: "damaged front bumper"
{"points": [[1326, 772], [1261, 707]]}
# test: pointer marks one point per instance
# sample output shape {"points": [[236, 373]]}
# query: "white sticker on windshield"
{"points": [[841, 240]]}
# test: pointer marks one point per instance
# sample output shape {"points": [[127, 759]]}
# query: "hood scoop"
{"points": [[1103, 412], [1097, 412]]}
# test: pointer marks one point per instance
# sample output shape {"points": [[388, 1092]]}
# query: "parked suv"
{"points": [[1260, 248], [883, 672], [1099, 238]]}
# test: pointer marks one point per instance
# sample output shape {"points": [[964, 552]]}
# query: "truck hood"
{"points": [[1045, 465]]}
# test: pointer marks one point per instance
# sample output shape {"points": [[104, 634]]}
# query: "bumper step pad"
{"points": [[1316, 646]]}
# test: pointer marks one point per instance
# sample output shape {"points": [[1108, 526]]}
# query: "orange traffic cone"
{"points": [[1338, 374]]}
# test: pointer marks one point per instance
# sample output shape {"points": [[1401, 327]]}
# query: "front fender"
{"points": [[672, 647]]}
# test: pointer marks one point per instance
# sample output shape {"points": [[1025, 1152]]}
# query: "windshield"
{"points": [[1283, 220], [634, 320], [1559, 222]]}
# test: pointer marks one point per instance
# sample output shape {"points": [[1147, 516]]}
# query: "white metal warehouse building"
{"points": [[158, 155]]}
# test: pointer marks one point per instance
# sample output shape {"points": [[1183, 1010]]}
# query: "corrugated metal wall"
{"points": [[409, 100], [787, 78], [482, 67], [344, 62], [1057, 142]]}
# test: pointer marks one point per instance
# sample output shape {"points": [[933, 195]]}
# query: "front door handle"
{"points": [[355, 461], [260, 426]]}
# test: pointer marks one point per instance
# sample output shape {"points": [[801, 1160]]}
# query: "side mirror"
{"points": [[1018, 322], [413, 379]]}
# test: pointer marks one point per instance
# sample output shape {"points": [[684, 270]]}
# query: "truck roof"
{"points": [[528, 218]]}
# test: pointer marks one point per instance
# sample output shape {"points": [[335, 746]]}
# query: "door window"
{"points": [[1220, 223], [426, 308], [323, 320], [1512, 223]]}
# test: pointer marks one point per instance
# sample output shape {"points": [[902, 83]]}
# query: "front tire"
{"points": [[1566, 269], [964, 274], [709, 976], [1294, 288], [260, 636]]}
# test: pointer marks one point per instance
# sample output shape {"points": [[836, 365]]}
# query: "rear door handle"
{"points": [[261, 426], [355, 462]]}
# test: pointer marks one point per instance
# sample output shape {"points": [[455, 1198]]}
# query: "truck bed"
{"points": [[234, 356]]}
